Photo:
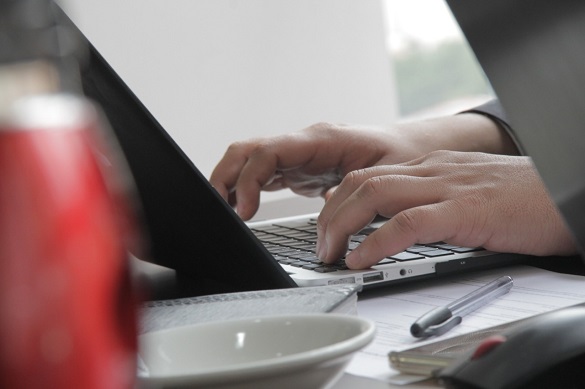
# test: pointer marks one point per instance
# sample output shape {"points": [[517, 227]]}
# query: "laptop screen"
{"points": [[533, 53]]}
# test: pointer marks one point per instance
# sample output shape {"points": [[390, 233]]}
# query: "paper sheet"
{"points": [[394, 310]]}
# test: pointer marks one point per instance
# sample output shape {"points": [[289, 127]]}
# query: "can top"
{"points": [[59, 111]]}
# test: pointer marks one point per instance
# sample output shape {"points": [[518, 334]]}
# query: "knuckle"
{"points": [[244, 148], [236, 147], [371, 187], [354, 178], [321, 126], [376, 242], [322, 222], [406, 222], [260, 149], [325, 129]]}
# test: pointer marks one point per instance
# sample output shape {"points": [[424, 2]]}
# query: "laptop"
{"points": [[533, 53], [192, 230]]}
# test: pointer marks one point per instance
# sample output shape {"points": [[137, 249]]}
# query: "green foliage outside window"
{"points": [[428, 76]]}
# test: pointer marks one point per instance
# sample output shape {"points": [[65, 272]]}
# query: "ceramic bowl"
{"points": [[293, 351]]}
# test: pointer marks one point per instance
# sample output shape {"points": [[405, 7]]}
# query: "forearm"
{"points": [[469, 131]]}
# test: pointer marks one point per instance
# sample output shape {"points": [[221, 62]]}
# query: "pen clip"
{"points": [[440, 329]]}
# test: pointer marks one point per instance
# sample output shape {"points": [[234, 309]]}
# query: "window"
{"points": [[435, 71]]}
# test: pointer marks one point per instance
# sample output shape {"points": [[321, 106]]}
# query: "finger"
{"points": [[270, 162], [258, 171], [424, 224], [329, 192], [247, 167], [383, 195], [353, 180], [226, 172], [311, 185]]}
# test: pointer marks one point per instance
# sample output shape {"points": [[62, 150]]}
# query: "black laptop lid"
{"points": [[533, 52], [190, 228]]}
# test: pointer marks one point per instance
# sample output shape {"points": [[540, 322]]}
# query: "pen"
{"points": [[442, 319]]}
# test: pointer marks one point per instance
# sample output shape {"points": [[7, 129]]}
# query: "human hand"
{"points": [[466, 199], [309, 162], [313, 161]]}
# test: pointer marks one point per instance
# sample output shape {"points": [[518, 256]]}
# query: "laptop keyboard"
{"points": [[293, 243]]}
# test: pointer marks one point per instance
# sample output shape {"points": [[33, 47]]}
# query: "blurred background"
{"points": [[216, 71]]}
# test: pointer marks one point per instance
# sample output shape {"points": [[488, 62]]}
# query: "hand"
{"points": [[467, 199], [313, 161]]}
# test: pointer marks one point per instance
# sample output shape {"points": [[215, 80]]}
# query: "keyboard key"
{"points": [[406, 256], [436, 253], [419, 249], [298, 244], [467, 249], [445, 246], [286, 261], [312, 266], [298, 263], [306, 246], [325, 269], [303, 256]]}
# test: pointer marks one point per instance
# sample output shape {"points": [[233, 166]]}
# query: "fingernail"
{"points": [[353, 259]]}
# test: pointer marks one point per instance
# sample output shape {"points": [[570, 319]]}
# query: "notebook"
{"points": [[191, 229], [163, 314]]}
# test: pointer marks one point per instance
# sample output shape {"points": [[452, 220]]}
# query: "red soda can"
{"points": [[67, 307]]}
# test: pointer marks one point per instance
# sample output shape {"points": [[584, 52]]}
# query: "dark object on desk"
{"points": [[429, 359], [547, 351], [533, 53]]}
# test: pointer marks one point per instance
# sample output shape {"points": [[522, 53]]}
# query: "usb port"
{"points": [[371, 277]]}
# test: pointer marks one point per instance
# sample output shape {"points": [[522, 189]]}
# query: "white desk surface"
{"points": [[165, 278], [348, 381]]}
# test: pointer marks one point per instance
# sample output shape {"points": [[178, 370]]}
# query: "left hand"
{"points": [[467, 199]]}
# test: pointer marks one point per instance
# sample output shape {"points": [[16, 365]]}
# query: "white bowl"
{"points": [[293, 351]]}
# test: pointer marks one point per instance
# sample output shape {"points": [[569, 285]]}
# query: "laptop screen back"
{"points": [[189, 227]]}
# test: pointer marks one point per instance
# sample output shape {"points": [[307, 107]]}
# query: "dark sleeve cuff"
{"points": [[494, 111]]}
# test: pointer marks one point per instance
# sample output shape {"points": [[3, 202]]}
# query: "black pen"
{"points": [[442, 319]]}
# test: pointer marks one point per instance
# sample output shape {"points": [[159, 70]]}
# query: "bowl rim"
{"points": [[273, 366]]}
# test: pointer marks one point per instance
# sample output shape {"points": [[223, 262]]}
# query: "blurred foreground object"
{"points": [[67, 306]]}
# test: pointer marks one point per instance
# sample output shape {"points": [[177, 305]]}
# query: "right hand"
{"points": [[467, 199]]}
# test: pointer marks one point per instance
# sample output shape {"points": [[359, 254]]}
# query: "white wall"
{"points": [[216, 71]]}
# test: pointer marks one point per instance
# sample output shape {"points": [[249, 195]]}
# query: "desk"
{"points": [[348, 381], [164, 284]]}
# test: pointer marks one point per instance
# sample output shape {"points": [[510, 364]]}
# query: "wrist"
{"points": [[491, 135], [470, 131]]}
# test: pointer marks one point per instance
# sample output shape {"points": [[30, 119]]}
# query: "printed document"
{"points": [[395, 309]]}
